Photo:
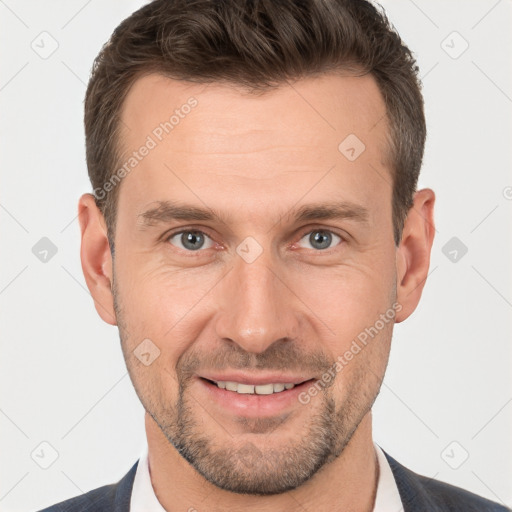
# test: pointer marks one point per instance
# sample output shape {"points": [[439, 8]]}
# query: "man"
{"points": [[255, 232]]}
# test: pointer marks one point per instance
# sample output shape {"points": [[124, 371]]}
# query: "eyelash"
{"points": [[166, 238]]}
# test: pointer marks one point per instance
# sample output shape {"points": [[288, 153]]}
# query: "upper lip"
{"points": [[255, 379]]}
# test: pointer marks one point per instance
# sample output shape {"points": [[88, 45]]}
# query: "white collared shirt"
{"points": [[144, 499]]}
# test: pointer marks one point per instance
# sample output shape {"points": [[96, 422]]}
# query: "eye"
{"points": [[320, 239], [190, 240]]}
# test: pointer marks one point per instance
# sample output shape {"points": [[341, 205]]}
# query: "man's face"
{"points": [[257, 296]]}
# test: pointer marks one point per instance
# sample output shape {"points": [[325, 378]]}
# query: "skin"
{"points": [[296, 307]]}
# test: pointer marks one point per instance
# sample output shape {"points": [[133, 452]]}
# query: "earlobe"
{"points": [[96, 257], [413, 253]]}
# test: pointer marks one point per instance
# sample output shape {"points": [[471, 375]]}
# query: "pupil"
{"points": [[323, 239], [188, 240]]}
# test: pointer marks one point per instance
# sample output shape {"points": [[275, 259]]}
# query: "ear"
{"points": [[96, 257], [413, 253]]}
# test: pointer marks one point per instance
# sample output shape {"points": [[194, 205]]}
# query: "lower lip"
{"points": [[255, 406]]}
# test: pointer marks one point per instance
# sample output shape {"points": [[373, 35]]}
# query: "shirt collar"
{"points": [[143, 496], [387, 498]]}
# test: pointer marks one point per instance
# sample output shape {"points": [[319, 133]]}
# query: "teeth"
{"points": [[263, 389], [231, 386], [244, 388]]}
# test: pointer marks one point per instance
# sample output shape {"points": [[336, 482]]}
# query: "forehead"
{"points": [[313, 109], [219, 143]]}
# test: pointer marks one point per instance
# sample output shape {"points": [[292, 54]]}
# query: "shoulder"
{"points": [[101, 498], [419, 492], [111, 498]]}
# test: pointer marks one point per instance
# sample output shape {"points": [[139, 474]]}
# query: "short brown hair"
{"points": [[258, 44]]}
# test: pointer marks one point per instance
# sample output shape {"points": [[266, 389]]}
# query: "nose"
{"points": [[256, 306]]}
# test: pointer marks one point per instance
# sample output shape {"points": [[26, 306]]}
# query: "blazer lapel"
{"points": [[124, 491], [412, 492]]}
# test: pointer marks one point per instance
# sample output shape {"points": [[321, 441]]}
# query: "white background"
{"points": [[62, 374]]}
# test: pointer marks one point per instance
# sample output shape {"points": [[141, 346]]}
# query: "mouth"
{"points": [[258, 400], [254, 389]]}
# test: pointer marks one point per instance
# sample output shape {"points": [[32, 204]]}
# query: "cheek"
{"points": [[347, 299], [157, 297], [362, 364]]}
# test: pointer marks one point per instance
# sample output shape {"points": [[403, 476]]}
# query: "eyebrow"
{"points": [[167, 211]]}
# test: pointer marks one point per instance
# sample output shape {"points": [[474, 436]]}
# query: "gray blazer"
{"points": [[418, 494]]}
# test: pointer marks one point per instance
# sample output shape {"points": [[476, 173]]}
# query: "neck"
{"points": [[350, 481]]}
